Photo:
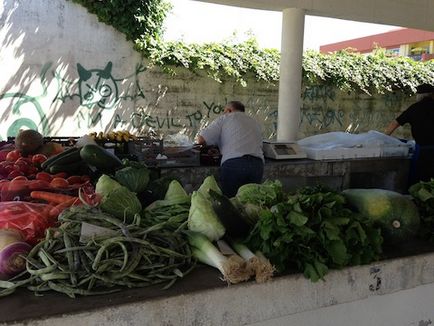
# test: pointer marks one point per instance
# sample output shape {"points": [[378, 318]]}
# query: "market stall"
{"points": [[109, 214]]}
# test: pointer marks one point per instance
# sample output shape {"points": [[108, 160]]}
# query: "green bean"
{"points": [[70, 291], [168, 285], [55, 276], [70, 258], [133, 263], [53, 261], [44, 258], [6, 284], [11, 289], [41, 271], [39, 288], [91, 283]]}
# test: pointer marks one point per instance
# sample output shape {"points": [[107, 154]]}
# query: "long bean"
{"points": [[136, 255]]}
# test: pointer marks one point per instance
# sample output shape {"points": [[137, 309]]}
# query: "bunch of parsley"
{"points": [[313, 231]]}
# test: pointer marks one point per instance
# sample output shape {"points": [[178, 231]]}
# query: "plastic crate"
{"points": [[395, 150], [178, 157], [146, 150], [342, 153]]}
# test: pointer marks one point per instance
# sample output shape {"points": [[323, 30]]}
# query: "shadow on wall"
{"points": [[50, 95], [66, 74]]}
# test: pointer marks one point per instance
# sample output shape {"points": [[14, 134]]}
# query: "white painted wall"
{"points": [[44, 42]]}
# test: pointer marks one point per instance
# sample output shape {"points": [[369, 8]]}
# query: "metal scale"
{"points": [[280, 150]]}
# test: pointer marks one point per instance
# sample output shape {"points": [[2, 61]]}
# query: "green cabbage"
{"points": [[266, 194], [203, 219], [207, 184], [117, 200], [134, 178], [175, 195], [105, 185]]}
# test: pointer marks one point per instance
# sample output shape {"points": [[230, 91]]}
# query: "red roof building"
{"points": [[413, 43]]}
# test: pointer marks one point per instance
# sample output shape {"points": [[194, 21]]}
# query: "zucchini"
{"points": [[68, 156], [71, 168], [100, 158], [232, 219]]}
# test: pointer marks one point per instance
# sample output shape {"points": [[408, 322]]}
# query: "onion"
{"points": [[12, 252]]}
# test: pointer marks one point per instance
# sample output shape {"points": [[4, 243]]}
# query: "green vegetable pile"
{"points": [[423, 195], [117, 199], [124, 255], [312, 231]]}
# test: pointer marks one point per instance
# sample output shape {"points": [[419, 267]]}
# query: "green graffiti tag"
{"points": [[20, 100], [97, 88]]}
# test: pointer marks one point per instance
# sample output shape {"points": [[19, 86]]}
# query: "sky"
{"points": [[198, 22]]}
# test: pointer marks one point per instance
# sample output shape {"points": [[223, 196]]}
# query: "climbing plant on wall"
{"points": [[137, 19], [142, 20]]}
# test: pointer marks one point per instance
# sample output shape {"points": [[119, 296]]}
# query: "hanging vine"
{"points": [[142, 23]]}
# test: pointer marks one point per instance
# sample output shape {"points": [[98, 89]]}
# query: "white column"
{"points": [[290, 74]]}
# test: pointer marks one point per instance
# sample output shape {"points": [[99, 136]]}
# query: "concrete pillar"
{"points": [[290, 74]]}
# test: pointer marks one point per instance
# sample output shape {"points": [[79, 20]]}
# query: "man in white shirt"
{"points": [[239, 138]]}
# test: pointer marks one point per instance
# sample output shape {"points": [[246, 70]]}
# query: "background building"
{"points": [[413, 43]]}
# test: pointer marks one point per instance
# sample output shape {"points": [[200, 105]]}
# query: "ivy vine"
{"points": [[137, 19], [142, 20]]}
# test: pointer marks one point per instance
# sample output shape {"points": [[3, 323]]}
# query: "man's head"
{"points": [[424, 90], [234, 106]]}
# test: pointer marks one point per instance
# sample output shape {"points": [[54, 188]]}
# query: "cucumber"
{"points": [[101, 159], [68, 156], [71, 168]]}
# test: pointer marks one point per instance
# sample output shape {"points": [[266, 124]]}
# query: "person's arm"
{"points": [[201, 140], [391, 127]]}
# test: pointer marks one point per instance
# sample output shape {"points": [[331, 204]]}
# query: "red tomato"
{"points": [[32, 170], [15, 174], [75, 179], [59, 183], [14, 155], [19, 178], [22, 165], [63, 175], [44, 176], [85, 178], [3, 182], [3, 154], [6, 167], [39, 185], [37, 159]]}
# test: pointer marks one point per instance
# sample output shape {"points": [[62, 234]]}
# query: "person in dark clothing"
{"points": [[239, 138], [420, 116]]}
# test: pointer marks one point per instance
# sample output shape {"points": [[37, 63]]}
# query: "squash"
{"points": [[396, 214]]}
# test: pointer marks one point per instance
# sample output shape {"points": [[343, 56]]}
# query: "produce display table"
{"points": [[385, 172], [203, 299]]}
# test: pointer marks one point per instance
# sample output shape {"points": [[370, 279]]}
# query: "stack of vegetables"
{"points": [[423, 195], [134, 229], [111, 242], [311, 230], [213, 217]]}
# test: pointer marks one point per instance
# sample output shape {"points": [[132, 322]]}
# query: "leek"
{"points": [[233, 268], [257, 263]]}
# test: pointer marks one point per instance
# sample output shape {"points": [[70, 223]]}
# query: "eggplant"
{"points": [[230, 216]]}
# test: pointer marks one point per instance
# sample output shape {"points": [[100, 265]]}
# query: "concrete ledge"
{"points": [[252, 303]]}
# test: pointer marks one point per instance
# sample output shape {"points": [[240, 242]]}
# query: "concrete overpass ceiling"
{"points": [[405, 13]]}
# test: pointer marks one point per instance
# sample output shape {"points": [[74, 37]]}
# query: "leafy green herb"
{"points": [[313, 231], [423, 195]]}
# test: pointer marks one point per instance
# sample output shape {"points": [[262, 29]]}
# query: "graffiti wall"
{"points": [[66, 74]]}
